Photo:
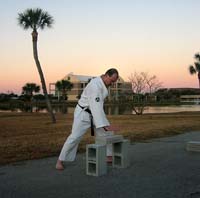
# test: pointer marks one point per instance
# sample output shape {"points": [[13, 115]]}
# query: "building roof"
{"points": [[81, 78]]}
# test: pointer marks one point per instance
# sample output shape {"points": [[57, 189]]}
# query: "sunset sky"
{"points": [[89, 36]]}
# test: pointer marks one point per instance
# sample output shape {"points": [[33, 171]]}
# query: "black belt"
{"points": [[92, 125]]}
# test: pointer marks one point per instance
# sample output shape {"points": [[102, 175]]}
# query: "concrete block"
{"points": [[193, 146], [121, 158], [110, 139], [96, 160]]}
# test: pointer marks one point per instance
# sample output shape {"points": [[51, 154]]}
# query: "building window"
{"points": [[82, 85]]}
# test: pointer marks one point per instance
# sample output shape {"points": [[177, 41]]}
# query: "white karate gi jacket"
{"points": [[93, 98]]}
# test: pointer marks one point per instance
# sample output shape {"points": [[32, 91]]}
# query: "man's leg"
{"points": [[102, 132], [69, 150]]}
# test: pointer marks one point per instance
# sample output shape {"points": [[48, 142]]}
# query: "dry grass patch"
{"points": [[32, 135]]}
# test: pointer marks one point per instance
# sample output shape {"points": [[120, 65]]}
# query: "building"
{"points": [[116, 91], [194, 99]]}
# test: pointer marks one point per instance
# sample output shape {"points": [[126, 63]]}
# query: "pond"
{"points": [[119, 110], [172, 109]]}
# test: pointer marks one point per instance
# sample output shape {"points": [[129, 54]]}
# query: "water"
{"points": [[122, 109], [119, 110], [172, 109]]}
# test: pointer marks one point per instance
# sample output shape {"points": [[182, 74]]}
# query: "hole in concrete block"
{"points": [[92, 168], [117, 147], [92, 153], [117, 160]]}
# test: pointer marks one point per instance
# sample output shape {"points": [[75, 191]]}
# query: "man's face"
{"points": [[111, 79]]}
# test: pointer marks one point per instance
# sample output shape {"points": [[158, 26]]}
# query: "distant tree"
{"points": [[163, 94], [63, 86], [173, 94], [143, 87], [195, 69], [29, 88], [5, 97], [37, 19], [152, 82], [39, 97]]}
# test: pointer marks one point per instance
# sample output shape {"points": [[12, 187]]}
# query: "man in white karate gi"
{"points": [[90, 106]]}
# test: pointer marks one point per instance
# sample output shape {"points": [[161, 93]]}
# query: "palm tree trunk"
{"points": [[35, 54], [199, 78], [199, 82]]}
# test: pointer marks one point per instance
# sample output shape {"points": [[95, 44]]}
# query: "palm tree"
{"points": [[63, 86], [196, 68], [29, 88], [37, 19]]}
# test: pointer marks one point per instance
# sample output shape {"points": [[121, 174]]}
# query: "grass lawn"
{"points": [[32, 135]]}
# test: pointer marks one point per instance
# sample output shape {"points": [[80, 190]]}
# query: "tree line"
{"points": [[31, 92]]}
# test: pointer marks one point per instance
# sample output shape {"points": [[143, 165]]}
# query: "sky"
{"points": [[90, 36]]}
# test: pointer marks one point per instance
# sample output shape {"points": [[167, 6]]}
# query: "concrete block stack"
{"points": [[96, 160], [121, 154], [96, 154]]}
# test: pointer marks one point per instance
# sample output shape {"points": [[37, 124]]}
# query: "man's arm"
{"points": [[96, 106]]}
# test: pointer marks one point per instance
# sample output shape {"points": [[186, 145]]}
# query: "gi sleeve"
{"points": [[96, 106]]}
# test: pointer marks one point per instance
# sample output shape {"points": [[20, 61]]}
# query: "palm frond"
{"points": [[197, 56], [35, 19], [24, 21], [192, 70], [46, 20]]}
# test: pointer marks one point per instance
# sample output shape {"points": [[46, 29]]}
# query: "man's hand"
{"points": [[111, 128]]}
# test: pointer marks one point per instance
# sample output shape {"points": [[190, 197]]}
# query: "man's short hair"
{"points": [[112, 71]]}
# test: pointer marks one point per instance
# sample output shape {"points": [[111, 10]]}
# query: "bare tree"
{"points": [[153, 84], [143, 87]]}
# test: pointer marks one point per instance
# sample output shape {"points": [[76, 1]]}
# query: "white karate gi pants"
{"points": [[80, 125]]}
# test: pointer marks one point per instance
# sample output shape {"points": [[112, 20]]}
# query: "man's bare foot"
{"points": [[59, 165]]}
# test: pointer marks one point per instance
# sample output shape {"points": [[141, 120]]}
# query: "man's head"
{"points": [[110, 77]]}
